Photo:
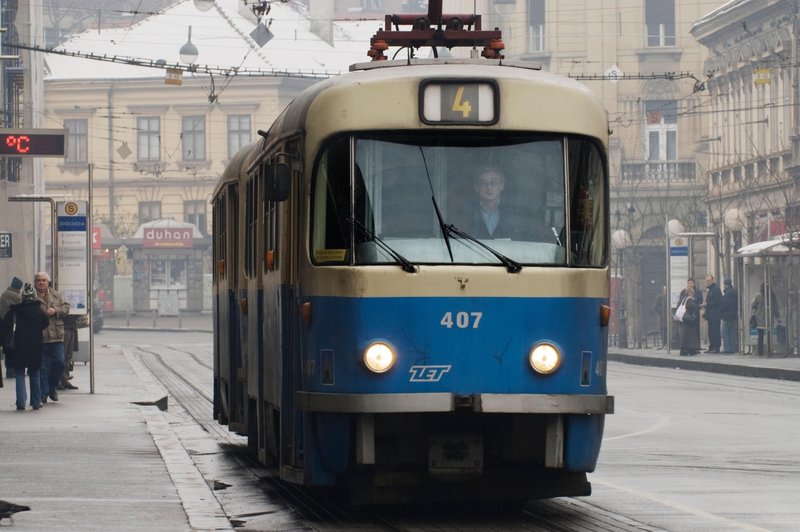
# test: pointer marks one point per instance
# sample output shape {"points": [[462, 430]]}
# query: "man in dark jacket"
{"points": [[11, 296], [25, 321], [730, 318], [713, 313], [53, 350]]}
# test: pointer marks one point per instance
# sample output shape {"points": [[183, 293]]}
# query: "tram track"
{"points": [[187, 378]]}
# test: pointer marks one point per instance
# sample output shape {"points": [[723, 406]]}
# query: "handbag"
{"points": [[681, 310]]}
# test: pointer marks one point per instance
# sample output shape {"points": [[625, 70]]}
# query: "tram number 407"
{"points": [[462, 320]]}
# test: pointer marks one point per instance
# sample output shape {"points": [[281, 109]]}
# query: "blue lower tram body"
{"points": [[462, 371]]}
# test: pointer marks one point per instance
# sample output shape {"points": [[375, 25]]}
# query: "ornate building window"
{"points": [[193, 138], [194, 212], [660, 22], [661, 130], [536, 22], [149, 211], [238, 133], [77, 140], [148, 138]]}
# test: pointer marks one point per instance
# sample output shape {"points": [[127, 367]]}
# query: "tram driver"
{"points": [[491, 216]]}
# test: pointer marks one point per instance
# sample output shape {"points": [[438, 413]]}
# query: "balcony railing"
{"points": [[658, 171]]}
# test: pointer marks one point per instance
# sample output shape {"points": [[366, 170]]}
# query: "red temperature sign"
{"points": [[32, 142]]}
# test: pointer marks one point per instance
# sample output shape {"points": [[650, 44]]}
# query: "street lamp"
{"points": [[188, 51], [620, 239], [203, 5]]}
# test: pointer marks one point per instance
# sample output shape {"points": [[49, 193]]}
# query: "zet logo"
{"points": [[71, 208], [427, 373]]}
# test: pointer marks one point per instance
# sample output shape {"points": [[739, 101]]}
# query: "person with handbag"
{"points": [[687, 326], [21, 332]]}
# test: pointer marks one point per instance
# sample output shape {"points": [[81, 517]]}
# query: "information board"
{"points": [[72, 253]]}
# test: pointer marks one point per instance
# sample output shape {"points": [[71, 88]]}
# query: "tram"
{"points": [[377, 329]]}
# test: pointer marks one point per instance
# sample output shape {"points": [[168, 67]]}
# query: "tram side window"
{"points": [[220, 224], [251, 223], [331, 204], [588, 185]]}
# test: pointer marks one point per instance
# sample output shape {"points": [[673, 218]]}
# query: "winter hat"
{"points": [[16, 283], [28, 292]]}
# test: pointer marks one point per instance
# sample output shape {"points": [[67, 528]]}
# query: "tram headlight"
{"points": [[379, 357], [544, 358]]}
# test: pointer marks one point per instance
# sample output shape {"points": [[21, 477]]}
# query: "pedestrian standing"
{"points": [[713, 313], [758, 311], [730, 317], [698, 298], [53, 350], [11, 296], [25, 321], [689, 332], [70, 346]]}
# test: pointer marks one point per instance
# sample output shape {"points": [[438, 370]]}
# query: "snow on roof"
{"points": [[788, 244], [222, 38], [167, 223]]}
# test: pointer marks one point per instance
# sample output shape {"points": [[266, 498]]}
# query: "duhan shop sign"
{"points": [[167, 237]]}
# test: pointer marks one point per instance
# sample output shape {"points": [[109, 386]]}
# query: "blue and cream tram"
{"points": [[368, 335]]}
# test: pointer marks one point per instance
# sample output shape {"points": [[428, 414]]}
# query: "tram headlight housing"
{"points": [[544, 358], [379, 357]]}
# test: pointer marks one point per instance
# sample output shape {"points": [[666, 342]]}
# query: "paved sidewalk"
{"points": [[787, 368], [100, 462]]}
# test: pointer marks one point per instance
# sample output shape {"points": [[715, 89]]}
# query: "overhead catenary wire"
{"points": [[200, 69]]}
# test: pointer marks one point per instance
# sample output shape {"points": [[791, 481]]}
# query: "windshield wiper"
{"points": [[443, 227], [511, 265], [404, 263]]}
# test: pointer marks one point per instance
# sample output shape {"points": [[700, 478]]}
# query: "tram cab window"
{"points": [[412, 195]]}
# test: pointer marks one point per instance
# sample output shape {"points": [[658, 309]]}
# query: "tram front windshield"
{"points": [[455, 199]]}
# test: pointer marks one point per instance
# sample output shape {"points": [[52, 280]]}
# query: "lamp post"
{"points": [[619, 240], [677, 270]]}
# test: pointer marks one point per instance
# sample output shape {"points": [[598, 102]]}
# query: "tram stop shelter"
{"points": [[776, 264]]}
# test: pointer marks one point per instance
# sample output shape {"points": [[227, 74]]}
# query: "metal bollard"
{"points": [[154, 318], [180, 319], [127, 317]]}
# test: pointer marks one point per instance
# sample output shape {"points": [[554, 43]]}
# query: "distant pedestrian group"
{"points": [[32, 337], [720, 312]]}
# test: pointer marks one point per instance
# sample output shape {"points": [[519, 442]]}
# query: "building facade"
{"points": [[23, 235], [641, 59], [753, 190], [153, 143]]}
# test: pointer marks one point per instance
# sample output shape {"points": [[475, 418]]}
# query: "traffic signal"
{"points": [[32, 142]]}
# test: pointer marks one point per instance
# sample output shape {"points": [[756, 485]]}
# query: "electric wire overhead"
{"points": [[200, 69]]}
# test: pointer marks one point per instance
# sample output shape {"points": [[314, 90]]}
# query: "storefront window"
{"points": [[168, 273]]}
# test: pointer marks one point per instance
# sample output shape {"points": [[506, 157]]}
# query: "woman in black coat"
{"points": [[689, 332], [26, 321]]}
